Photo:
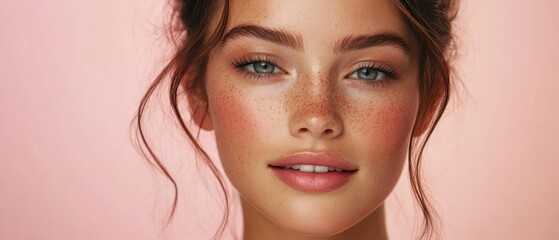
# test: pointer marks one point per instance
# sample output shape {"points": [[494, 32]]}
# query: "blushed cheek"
{"points": [[241, 123], [397, 120], [233, 123], [389, 125]]}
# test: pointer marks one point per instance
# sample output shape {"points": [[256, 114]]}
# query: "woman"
{"points": [[315, 106]]}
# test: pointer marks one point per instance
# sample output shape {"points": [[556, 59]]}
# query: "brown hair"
{"points": [[429, 20]]}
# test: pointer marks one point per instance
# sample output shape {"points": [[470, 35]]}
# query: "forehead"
{"points": [[318, 21]]}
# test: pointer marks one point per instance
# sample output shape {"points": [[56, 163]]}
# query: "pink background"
{"points": [[72, 71]]}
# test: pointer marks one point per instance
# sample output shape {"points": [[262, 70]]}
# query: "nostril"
{"points": [[318, 127], [308, 131]]}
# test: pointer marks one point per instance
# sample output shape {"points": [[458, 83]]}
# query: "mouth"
{"points": [[311, 168], [313, 172]]}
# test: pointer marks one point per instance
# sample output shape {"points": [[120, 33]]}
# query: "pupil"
{"points": [[263, 67], [368, 73]]}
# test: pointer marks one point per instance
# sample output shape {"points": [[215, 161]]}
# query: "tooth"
{"points": [[338, 170], [306, 168], [320, 169], [331, 169], [296, 167]]}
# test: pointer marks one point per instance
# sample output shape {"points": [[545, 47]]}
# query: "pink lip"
{"points": [[310, 181]]}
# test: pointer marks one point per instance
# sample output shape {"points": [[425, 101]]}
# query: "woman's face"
{"points": [[297, 88]]}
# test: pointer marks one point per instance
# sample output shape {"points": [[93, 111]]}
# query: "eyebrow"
{"points": [[352, 43], [294, 41], [273, 35]]}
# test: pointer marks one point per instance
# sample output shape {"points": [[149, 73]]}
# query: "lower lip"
{"points": [[312, 182]]}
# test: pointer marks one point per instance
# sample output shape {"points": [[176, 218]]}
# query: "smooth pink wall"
{"points": [[72, 71]]}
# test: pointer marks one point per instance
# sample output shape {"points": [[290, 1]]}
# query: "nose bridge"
{"points": [[319, 96], [315, 107]]}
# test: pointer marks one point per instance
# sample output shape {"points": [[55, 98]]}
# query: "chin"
{"points": [[318, 227], [326, 223]]}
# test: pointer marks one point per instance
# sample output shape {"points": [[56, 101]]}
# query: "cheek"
{"points": [[391, 123], [234, 124], [240, 123], [231, 116], [383, 133]]}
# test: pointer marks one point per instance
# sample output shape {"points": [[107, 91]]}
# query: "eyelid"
{"points": [[259, 57], [241, 63], [385, 68]]}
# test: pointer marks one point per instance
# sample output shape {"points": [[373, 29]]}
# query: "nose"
{"points": [[316, 114]]}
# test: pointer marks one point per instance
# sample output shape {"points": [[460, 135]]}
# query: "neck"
{"points": [[258, 226]]}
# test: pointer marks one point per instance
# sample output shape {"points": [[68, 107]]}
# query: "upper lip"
{"points": [[313, 158]]}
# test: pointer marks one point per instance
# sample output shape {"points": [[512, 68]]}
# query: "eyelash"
{"points": [[241, 63], [387, 70]]}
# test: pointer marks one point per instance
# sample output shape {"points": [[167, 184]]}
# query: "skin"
{"points": [[313, 103]]}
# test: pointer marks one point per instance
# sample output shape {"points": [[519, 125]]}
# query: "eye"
{"points": [[369, 73], [262, 67]]}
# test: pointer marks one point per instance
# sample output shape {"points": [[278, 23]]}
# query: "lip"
{"points": [[312, 181]]}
